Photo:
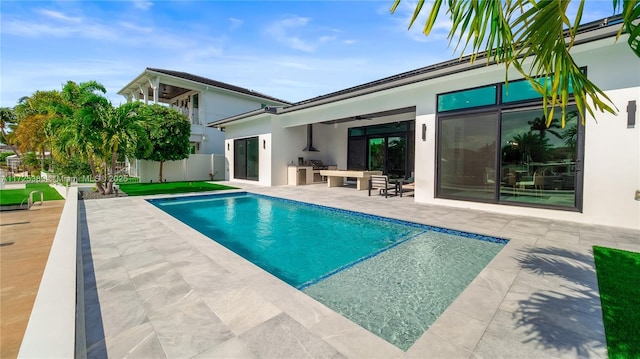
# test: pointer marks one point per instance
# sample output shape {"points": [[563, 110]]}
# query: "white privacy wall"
{"points": [[195, 168]]}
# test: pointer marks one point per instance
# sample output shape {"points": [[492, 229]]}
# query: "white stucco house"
{"points": [[202, 100], [466, 138]]}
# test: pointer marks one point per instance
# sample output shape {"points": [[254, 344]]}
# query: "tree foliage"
{"points": [[535, 37], [8, 120], [31, 135], [89, 128], [168, 130], [33, 114]]}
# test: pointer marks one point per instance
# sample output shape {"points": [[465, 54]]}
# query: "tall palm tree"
{"points": [[123, 132], [514, 32], [77, 130]]}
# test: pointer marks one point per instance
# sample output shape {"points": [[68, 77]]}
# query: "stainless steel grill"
{"points": [[318, 165]]}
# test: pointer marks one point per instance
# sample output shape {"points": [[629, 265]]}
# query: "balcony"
{"points": [[191, 113]]}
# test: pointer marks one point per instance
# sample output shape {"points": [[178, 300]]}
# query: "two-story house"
{"points": [[202, 100]]}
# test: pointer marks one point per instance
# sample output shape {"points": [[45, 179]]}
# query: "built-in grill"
{"points": [[318, 165]]}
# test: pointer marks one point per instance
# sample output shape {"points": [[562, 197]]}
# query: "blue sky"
{"points": [[293, 50]]}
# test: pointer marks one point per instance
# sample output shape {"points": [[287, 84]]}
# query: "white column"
{"points": [[155, 85], [145, 95]]}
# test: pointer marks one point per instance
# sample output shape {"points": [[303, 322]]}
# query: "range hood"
{"points": [[310, 147]]}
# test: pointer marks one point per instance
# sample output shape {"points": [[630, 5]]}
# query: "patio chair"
{"points": [[410, 187], [381, 183]]}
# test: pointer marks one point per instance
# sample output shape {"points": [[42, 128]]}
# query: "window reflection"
{"points": [[538, 161], [467, 156]]}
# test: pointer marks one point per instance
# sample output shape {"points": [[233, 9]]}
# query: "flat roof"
{"points": [[589, 32]]}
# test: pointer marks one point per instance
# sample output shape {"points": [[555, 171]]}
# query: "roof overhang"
{"points": [[172, 84], [598, 30]]}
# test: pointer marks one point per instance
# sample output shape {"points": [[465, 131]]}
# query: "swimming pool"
{"points": [[392, 277]]}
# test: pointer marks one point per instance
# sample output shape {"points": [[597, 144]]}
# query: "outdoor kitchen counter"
{"points": [[301, 175], [335, 178]]}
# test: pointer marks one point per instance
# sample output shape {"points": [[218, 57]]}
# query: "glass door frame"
{"points": [[366, 136], [499, 110], [246, 157]]}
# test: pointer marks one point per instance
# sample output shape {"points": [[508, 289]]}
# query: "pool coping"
{"points": [[51, 330], [462, 329]]}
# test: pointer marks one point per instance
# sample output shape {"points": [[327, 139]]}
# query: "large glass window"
{"points": [[507, 153], [245, 158], [467, 156], [538, 162]]}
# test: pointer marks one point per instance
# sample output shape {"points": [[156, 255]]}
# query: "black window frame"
{"points": [[498, 109], [245, 175], [369, 132]]}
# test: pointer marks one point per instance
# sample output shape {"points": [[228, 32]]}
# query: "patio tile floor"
{"points": [[154, 287]]}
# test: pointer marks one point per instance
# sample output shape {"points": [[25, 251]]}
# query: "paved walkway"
{"points": [[26, 241], [156, 288]]}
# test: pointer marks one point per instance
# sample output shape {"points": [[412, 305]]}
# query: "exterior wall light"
{"points": [[631, 114], [424, 132], [264, 144]]}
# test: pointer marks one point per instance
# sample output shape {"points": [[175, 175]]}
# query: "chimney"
{"points": [[310, 147]]}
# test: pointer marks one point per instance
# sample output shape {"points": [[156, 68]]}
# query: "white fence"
{"points": [[196, 168]]}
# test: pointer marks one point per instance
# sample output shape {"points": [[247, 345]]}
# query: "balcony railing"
{"points": [[191, 113]]}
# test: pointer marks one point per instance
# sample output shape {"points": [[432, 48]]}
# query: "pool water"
{"points": [[392, 277]]}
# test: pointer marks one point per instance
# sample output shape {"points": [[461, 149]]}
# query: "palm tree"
{"points": [[77, 130], [541, 125], [514, 32], [123, 132], [570, 137], [9, 120]]}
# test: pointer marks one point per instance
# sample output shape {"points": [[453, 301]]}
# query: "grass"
{"points": [[618, 274], [145, 189], [16, 196]]}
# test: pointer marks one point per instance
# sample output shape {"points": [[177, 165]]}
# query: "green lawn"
{"points": [[144, 189], [618, 274], [16, 196]]}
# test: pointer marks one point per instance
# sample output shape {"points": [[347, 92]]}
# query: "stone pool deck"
{"points": [[156, 288]]}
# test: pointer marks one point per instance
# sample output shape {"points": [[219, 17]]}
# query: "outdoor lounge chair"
{"points": [[381, 183], [410, 187]]}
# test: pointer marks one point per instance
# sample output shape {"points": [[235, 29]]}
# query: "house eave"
{"points": [[591, 32]]}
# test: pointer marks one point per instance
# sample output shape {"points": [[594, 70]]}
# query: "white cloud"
{"points": [[404, 13], [349, 42], [59, 16], [134, 27], [142, 4], [297, 65], [235, 23], [293, 32]]}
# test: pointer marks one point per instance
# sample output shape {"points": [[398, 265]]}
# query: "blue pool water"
{"points": [[392, 277]]}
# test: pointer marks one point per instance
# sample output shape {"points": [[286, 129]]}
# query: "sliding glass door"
{"points": [[468, 156], [387, 147], [246, 159]]}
